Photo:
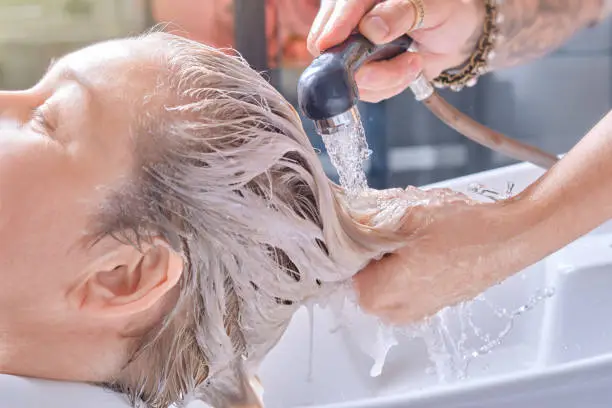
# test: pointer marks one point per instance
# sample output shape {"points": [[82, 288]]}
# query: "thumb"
{"points": [[373, 284], [388, 20], [343, 20]]}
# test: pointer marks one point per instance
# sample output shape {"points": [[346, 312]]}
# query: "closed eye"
{"points": [[40, 121]]}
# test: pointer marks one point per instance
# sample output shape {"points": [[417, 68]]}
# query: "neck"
{"points": [[65, 355]]}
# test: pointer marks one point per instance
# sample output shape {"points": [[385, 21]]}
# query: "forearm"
{"points": [[533, 28], [570, 200]]}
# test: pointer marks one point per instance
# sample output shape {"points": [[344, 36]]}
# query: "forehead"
{"points": [[119, 78], [111, 53], [120, 69]]}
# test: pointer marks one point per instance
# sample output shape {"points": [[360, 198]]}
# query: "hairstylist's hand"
{"points": [[447, 38], [455, 250]]}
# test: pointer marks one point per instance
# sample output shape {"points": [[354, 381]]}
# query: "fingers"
{"points": [[369, 285], [383, 79], [378, 291], [383, 21], [325, 11], [382, 288], [386, 74], [368, 210], [378, 95], [343, 20], [390, 19]]}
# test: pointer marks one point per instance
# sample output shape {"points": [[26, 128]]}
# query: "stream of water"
{"points": [[348, 152], [446, 334]]}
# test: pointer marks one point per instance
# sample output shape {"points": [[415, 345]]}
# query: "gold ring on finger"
{"points": [[419, 15]]}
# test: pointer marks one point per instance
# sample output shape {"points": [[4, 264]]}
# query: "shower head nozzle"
{"points": [[327, 88]]}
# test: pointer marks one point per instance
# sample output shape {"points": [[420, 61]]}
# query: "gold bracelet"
{"points": [[477, 65]]}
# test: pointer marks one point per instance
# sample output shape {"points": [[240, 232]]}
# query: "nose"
{"points": [[16, 104]]}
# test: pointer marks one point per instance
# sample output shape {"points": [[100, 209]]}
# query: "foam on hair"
{"points": [[234, 184]]}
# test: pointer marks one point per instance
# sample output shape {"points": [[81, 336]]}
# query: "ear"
{"points": [[129, 280]]}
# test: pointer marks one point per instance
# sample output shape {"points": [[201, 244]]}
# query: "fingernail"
{"points": [[321, 43], [375, 28], [314, 50]]}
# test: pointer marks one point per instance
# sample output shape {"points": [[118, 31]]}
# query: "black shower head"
{"points": [[327, 87]]}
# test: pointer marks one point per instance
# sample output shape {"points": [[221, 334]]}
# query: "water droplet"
{"points": [[310, 308]]}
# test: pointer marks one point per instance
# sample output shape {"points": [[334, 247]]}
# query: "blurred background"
{"points": [[550, 103]]}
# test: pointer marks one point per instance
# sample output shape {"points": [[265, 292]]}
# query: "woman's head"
{"points": [[162, 217]]}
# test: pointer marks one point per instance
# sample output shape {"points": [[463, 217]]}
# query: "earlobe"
{"points": [[129, 280]]}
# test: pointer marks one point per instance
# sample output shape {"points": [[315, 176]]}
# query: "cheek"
{"points": [[40, 216], [30, 177]]}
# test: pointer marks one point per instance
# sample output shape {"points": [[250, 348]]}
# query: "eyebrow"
{"points": [[71, 75]]}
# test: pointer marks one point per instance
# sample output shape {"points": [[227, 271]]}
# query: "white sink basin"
{"points": [[559, 354]]}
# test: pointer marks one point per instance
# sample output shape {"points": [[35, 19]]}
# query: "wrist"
{"points": [[473, 58], [476, 15], [473, 21], [544, 221], [523, 236]]}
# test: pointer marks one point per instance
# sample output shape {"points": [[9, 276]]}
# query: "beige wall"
{"points": [[32, 32]]}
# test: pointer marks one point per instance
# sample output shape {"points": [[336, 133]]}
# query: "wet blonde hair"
{"points": [[228, 177]]}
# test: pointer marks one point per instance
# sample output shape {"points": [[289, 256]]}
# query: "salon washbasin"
{"points": [[557, 354]]}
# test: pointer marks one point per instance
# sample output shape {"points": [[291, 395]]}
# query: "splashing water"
{"points": [[447, 346], [371, 336], [453, 337], [447, 349], [446, 335], [348, 150], [490, 193]]}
